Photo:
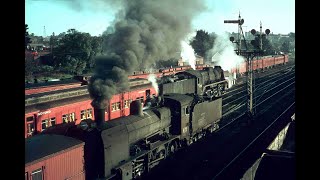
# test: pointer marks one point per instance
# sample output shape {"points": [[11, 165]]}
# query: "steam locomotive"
{"points": [[207, 82], [127, 147]]}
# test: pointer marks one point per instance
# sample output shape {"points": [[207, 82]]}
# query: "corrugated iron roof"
{"points": [[46, 84], [57, 103], [41, 146], [66, 101]]}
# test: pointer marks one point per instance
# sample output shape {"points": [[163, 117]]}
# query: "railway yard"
{"points": [[160, 90], [227, 153]]}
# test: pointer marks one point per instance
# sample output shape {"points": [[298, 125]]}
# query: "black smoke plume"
{"points": [[145, 31]]}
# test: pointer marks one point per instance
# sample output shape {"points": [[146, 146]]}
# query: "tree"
{"points": [[285, 47], [27, 40], [292, 35], [96, 46], [267, 47], [76, 51], [73, 65], [202, 42], [30, 65]]}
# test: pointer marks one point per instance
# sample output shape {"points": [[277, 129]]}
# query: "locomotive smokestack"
{"points": [[99, 111], [99, 116], [136, 108]]}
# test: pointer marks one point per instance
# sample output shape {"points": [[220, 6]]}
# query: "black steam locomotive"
{"points": [[208, 82], [127, 147]]}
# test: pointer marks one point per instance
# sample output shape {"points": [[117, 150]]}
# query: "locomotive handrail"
{"points": [[212, 84]]}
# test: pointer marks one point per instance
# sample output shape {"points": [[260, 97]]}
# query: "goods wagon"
{"points": [[53, 157]]}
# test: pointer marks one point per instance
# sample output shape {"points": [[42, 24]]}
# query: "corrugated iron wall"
{"points": [[68, 164]]}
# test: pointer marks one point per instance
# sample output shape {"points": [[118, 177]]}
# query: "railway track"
{"points": [[264, 78], [236, 167], [228, 108], [237, 100], [203, 159]]}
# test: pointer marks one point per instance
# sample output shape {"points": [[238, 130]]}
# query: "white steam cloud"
{"points": [[153, 79], [187, 54], [223, 54]]}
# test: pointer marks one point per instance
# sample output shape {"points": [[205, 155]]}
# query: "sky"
{"points": [[59, 15]]}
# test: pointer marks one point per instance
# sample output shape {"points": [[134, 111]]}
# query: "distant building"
{"points": [[37, 47], [199, 60]]}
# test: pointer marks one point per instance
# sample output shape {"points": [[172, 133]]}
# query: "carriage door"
{"points": [[30, 125], [148, 93]]}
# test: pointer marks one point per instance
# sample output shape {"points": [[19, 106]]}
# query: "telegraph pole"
{"points": [[51, 44], [260, 35], [44, 32]]}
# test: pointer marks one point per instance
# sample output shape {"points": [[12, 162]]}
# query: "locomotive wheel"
{"points": [[196, 138], [172, 147], [162, 154], [211, 129], [217, 126]]}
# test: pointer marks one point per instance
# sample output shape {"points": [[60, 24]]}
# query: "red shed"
{"points": [[52, 157]]}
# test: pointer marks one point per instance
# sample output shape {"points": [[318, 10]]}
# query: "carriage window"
{"points": [[83, 115], [113, 106], [29, 118], [72, 117], [186, 110], [65, 118], [30, 128], [37, 174], [117, 105], [44, 124], [90, 113], [126, 103], [53, 121], [140, 98]]}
